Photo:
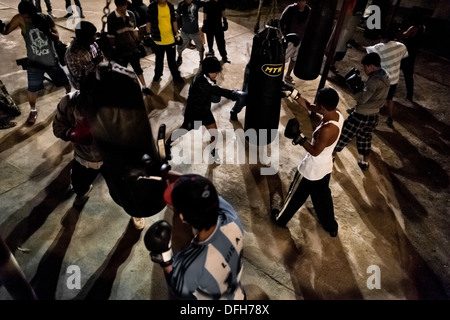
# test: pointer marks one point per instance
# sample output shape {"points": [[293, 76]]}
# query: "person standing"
{"points": [[215, 24], [392, 53], [123, 34], [210, 267], [202, 92], [188, 10], [83, 54], [293, 24], [312, 178], [363, 119], [69, 9], [39, 32], [162, 27], [48, 4], [412, 38]]}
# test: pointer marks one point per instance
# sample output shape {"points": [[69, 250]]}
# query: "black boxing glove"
{"points": [[225, 24], [158, 240], [292, 131], [288, 90]]}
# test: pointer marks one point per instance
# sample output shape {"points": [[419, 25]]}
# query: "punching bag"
{"points": [[122, 132], [314, 42], [353, 15], [265, 75]]}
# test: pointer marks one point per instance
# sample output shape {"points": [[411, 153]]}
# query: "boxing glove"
{"points": [[288, 90], [81, 133], [178, 40], [294, 38], [292, 131], [157, 240], [225, 24]]}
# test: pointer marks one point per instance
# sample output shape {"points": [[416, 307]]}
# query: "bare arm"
{"points": [[324, 138], [16, 22]]}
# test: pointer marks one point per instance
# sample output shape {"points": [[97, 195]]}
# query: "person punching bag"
{"points": [[317, 33], [266, 66], [353, 14], [121, 129]]}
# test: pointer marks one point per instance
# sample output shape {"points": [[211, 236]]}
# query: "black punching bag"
{"points": [[353, 15], [314, 42], [122, 133], [266, 66]]}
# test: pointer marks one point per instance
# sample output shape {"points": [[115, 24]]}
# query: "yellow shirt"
{"points": [[165, 26]]}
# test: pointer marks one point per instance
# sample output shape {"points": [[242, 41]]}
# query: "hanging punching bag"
{"points": [[353, 15], [315, 39], [266, 66], [122, 133]]}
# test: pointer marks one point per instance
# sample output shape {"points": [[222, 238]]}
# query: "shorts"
{"points": [[187, 37], [291, 52], [36, 77], [391, 93]]}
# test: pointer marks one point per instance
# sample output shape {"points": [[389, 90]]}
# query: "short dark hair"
{"points": [[328, 98], [210, 65], [196, 198], [84, 32], [371, 58], [27, 7]]}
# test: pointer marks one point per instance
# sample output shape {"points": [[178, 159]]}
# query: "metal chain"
{"points": [[106, 12]]}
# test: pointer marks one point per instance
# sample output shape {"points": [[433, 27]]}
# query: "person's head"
{"points": [[27, 7], [371, 62], [85, 32], [211, 67], [121, 5], [195, 198], [327, 98], [301, 4]]}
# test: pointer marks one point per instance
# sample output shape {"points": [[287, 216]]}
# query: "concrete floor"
{"points": [[393, 217]]}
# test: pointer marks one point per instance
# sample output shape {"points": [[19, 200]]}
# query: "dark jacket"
{"points": [[200, 95]]}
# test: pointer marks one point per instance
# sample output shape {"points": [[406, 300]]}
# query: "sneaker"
{"points": [[81, 200], [215, 156], [52, 15], [82, 16], [363, 165], [289, 80], [226, 60], [233, 116], [147, 91], [179, 61], [139, 223], [32, 117]]}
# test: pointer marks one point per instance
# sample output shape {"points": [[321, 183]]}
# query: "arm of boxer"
{"points": [[157, 240], [326, 135]]}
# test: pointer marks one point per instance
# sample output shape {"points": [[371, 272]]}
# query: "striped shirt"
{"points": [[391, 54], [212, 269]]}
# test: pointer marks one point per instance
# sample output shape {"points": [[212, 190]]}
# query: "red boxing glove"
{"points": [[81, 134]]}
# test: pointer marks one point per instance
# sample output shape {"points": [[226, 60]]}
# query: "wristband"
{"points": [[295, 94], [299, 140]]}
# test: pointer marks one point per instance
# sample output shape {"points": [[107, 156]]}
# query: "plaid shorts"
{"points": [[361, 126], [36, 77]]}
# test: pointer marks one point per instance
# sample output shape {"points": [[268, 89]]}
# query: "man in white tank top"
{"points": [[314, 171]]}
